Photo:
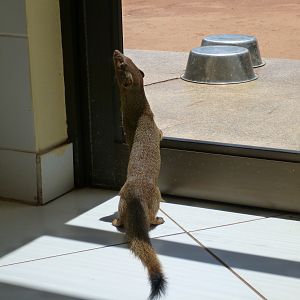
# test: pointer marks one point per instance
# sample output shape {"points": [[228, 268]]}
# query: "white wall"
{"points": [[32, 105], [16, 111]]}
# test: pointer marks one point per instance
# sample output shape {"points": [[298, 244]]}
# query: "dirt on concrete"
{"points": [[174, 25]]}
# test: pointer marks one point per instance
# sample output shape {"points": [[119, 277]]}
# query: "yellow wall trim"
{"points": [[46, 68]]}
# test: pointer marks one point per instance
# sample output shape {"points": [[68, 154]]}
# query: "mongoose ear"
{"points": [[143, 75]]}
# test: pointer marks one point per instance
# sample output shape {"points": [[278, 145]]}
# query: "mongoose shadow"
{"points": [[109, 218], [140, 196]]}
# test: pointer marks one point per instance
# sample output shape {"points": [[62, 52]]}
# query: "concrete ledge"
{"points": [[262, 113]]}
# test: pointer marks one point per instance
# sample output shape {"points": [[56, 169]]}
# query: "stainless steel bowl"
{"points": [[246, 41], [219, 65]]}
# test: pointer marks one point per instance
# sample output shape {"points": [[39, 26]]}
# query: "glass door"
{"points": [[191, 167]]}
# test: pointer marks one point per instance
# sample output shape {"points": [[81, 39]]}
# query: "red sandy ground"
{"points": [[174, 25]]}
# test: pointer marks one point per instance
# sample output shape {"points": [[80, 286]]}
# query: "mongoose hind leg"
{"points": [[154, 209], [119, 222]]}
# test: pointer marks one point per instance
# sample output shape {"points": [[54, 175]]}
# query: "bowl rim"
{"points": [[263, 62], [251, 38], [219, 82], [242, 50]]}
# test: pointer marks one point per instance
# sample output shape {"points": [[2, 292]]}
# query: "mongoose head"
{"points": [[128, 75]]}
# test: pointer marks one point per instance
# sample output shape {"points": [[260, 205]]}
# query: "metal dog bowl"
{"points": [[246, 41], [219, 65]]}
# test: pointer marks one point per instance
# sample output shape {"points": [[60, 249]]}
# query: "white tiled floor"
{"points": [[68, 249]]}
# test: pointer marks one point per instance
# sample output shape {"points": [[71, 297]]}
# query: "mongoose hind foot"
{"points": [[157, 221], [117, 223]]}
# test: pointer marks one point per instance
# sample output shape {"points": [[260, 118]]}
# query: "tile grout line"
{"points": [[235, 223], [217, 258], [123, 243], [81, 251], [59, 255]]}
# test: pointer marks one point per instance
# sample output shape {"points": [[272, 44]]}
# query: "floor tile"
{"points": [[194, 215], [13, 292], [266, 253], [31, 232], [45, 247], [68, 249], [77, 221], [114, 273]]}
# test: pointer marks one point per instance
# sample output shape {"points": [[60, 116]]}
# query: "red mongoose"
{"points": [[133, 99], [140, 197]]}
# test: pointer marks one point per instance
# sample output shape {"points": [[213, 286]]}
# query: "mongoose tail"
{"points": [[137, 230]]}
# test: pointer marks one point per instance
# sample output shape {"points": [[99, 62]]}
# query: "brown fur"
{"points": [[133, 99], [140, 195]]}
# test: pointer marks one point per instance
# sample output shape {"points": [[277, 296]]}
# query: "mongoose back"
{"points": [[133, 99], [140, 197]]}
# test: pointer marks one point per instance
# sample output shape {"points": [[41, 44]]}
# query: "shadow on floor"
{"points": [[235, 208], [14, 292], [56, 214]]}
